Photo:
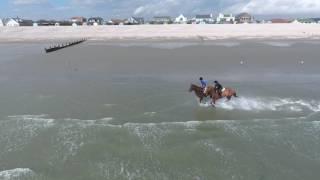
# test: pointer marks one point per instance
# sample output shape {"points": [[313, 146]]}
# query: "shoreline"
{"points": [[163, 32]]}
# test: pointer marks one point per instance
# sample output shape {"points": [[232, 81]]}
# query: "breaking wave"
{"points": [[278, 44], [267, 104], [17, 173]]}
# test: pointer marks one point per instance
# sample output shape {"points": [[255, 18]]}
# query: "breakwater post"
{"points": [[62, 46]]}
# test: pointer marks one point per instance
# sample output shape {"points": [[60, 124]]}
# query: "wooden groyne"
{"points": [[62, 46]]}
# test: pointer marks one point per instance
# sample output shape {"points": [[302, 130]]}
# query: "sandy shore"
{"points": [[158, 32]]}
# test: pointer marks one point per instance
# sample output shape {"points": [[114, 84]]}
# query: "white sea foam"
{"points": [[227, 44], [16, 173], [278, 44], [40, 118], [267, 104], [151, 114], [107, 119], [109, 105]]}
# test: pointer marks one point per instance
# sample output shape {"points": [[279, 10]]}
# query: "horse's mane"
{"points": [[195, 86]]}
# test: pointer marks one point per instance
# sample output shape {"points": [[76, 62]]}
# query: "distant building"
{"points": [[280, 21], [43, 22], [162, 20], [1, 23], [116, 22], [25, 22], [78, 20], [244, 18], [135, 20], [181, 19], [308, 21], [295, 21], [35, 24], [225, 19], [204, 19], [95, 21], [317, 20], [65, 23], [10, 22]]}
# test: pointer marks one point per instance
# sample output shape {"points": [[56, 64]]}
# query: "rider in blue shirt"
{"points": [[203, 84]]}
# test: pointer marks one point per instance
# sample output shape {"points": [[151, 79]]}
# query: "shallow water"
{"points": [[118, 110]]}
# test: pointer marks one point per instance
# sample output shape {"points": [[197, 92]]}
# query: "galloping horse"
{"points": [[198, 91], [226, 92]]}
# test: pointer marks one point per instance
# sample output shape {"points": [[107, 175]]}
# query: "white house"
{"points": [[135, 20], [11, 23], [181, 19], [204, 19], [35, 24], [225, 18], [295, 21], [1, 23]]}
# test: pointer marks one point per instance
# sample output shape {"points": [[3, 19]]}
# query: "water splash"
{"points": [[267, 104]]}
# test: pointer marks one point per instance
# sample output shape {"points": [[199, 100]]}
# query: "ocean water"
{"points": [[122, 110]]}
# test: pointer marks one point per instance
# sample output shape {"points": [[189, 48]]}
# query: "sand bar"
{"points": [[163, 32]]}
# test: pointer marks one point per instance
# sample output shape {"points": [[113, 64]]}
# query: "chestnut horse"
{"points": [[198, 91], [226, 92]]}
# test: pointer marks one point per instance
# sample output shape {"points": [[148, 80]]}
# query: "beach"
{"points": [[118, 106], [163, 32]]}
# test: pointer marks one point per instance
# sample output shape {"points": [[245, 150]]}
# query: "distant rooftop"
{"points": [[203, 16]]}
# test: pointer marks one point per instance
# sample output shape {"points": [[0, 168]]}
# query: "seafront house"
{"points": [[161, 20], [244, 18], [25, 22], [10, 22], [117, 22], [135, 20], [43, 22], [316, 20], [225, 19], [280, 21], [78, 20], [181, 19], [204, 19], [309, 20], [65, 23], [95, 21]]}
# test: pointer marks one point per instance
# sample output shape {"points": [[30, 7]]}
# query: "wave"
{"points": [[278, 44], [16, 173], [267, 104]]}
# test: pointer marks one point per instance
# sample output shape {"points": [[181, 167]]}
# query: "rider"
{"points": [[203, 84], [218, 87]]}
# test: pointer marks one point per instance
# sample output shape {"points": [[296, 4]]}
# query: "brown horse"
{"points": [[198, 91], [227, 92]]}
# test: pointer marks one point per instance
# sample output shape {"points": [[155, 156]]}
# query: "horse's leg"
{"points": [[213, 103], [200, 99]]}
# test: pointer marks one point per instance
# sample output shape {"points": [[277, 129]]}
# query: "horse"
{"points": [[198, 91], [227, 92]]}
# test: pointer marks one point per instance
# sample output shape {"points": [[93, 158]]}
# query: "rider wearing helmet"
{"points": [[218, 87]]}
